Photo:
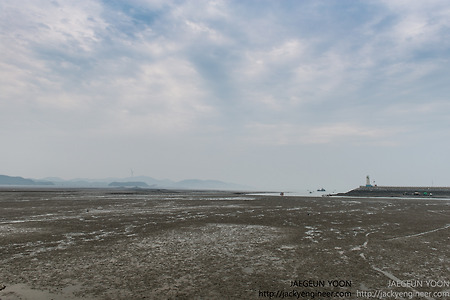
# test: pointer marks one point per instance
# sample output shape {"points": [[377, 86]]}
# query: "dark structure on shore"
{"points": [[396, 191]]}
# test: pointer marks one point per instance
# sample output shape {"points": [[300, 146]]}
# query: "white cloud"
{"points": [[345, 132], [418, 25], [164, 97], [425, 111], [35, 36], [335, 133], [54, 24]]}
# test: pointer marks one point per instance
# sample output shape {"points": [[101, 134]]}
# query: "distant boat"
{"points": [[321, 190]]}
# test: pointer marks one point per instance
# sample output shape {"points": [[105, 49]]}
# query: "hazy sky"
{"points": [[273, 94]]}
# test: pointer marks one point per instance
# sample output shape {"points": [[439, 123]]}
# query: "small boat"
{"points": [[321, 190]]}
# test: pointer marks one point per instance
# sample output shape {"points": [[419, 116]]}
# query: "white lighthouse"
{"points": [[368, 181]]}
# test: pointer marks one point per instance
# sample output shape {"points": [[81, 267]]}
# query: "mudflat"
{"points": [[144, 244]]}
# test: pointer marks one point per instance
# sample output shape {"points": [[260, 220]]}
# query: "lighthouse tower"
{"points": [[368, 181]]}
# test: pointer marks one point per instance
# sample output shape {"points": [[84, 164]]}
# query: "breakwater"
{"points": [[398, 191]]}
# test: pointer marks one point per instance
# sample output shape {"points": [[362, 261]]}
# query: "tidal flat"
{"points": [[156, 244]]}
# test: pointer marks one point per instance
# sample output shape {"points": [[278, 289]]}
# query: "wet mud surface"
{"points": [[111, 244]]}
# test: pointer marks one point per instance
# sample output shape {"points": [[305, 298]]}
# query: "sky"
{"points": [[273, 94]]}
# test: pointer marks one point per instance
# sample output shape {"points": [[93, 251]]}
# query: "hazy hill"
{"points": [[150, 183], [129, 184], [140, 181], [17, 180]]}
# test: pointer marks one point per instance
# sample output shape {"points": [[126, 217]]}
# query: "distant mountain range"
{"points": [[9, 180], [135, 181]]}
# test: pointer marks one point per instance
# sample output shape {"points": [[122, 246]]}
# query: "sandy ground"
{"points": [[111, 244]]}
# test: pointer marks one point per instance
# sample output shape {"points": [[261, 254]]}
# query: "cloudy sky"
{"points": [[273, 94]]}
